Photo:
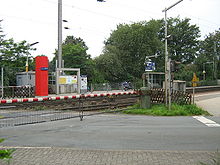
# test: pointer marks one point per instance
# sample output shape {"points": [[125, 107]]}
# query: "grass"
{"points": [[162, 110]]}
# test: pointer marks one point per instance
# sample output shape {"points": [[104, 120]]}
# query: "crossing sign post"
{"points": [[195, 81]]}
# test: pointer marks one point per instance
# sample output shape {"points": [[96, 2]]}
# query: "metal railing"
{"points": [[108, 87], [29, 113]]}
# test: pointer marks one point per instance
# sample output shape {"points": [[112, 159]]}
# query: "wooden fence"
{"points": [[179, 97]]}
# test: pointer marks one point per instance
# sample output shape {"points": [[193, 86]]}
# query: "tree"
{"points": [[75, 41], [209, 55], [75, 56], [130, 44], [126, 49], [110, 66], [13, 57], [183, 44]]}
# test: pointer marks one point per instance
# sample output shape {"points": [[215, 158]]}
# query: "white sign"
{"points": [[150, 66], [68, 79]]}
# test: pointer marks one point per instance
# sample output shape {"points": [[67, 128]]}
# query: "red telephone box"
{"points": [[41, 76]]}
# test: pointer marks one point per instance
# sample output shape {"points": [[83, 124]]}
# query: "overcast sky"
{"points": [[36, 20]]}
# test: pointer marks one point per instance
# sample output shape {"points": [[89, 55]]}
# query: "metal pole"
{"points": [[57, 80], [2, 82], [193, 94], [144, 79], [78, 82], [166, 60], [173, 5], [60, 34], [215, 64], [169, 83], [167, 66], [27, 71], [204, 71], [213, 68], [27, 63], [59, 44]]}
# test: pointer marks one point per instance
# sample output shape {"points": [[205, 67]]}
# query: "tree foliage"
{"points": [[209, 55], [74, 54], [126, 49], [128, 46], [183, 44], [13, 57]]}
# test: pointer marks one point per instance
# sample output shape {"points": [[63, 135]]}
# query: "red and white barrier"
{"points": [[65, 97]]}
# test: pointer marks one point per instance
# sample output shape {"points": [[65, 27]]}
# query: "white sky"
{"points": [[36, 20]]}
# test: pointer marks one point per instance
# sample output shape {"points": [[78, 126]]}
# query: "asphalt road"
{"points": [[119, 132]]}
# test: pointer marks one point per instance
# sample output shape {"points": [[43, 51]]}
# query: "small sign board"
{"points": [[195, 80], [68, 79], [150, 66], [44, 68]]}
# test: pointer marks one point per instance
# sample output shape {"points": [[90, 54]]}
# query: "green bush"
{"points": [[5, 154]]}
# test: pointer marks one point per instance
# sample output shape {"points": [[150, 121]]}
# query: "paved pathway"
{"points": [[210, 102], [70, 156]]}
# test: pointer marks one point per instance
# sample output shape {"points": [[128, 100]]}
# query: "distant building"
{"points": [[25, 78], [68, 84]]}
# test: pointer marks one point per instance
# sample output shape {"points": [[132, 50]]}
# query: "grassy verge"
{"points": [[161, 110], [5, 154]]}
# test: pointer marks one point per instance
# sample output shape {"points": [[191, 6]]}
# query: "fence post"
{"points": [[145, 99], [91, 88], [29, 91]]}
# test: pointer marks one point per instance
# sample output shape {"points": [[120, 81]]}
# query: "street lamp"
{"points": [[204, 72], [26, 69], [167, 60]]}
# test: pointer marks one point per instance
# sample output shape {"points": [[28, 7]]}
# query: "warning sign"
{"points": [[195, 80]]}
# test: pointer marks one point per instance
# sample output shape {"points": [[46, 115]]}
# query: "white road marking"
{"points": [[206, 121], [47, 115]]}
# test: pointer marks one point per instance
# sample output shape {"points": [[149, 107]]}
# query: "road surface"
{"points": [[210, 102], [116, 139]]}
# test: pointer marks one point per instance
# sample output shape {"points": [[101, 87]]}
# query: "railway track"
{"points": [[65, 109], [52, 110]]}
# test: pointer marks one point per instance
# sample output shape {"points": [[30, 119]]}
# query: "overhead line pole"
{"points": [[59, 45], [167, 60]]}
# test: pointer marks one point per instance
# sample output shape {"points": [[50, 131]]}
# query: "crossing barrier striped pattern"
{"points": [[8, 101]]}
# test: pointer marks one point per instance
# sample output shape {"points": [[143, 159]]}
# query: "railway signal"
{"points": [[174, 66]]}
